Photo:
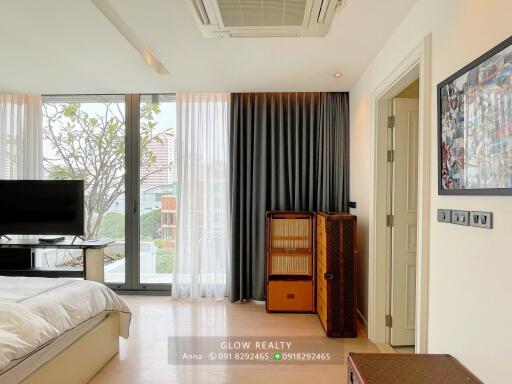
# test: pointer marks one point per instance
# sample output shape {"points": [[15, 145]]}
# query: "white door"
{"points": [[404, 204]]}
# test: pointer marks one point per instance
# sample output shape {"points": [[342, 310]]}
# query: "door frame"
{"points": [[416, 65]]}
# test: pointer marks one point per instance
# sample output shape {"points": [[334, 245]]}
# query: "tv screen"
{"points": [[42, 207]]}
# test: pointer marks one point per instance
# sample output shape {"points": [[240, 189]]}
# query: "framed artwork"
{"points": [[475, 126]]}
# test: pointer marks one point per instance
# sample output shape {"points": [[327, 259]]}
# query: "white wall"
{"points": [[470, 295]]}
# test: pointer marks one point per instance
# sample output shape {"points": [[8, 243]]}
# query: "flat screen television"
{"points": [[42, 207]]}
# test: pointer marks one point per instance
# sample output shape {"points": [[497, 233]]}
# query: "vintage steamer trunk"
{"points": [[394, 368], [290, 261], [336, 273]]}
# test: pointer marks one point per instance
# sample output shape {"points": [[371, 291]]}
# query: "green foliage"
{"points": [[71, 110], [159, 243], [92, 148], [164, 259], [150, 225], [59, 172], [112, 226]]}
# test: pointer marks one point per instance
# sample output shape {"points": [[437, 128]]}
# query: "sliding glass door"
{"points": [[157, 189], [84, 137], [122, 146]]}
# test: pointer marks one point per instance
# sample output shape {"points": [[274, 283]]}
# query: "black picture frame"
{"points": [[450, 80]]}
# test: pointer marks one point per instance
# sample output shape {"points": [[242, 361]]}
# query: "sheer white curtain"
{"points": [[21, 138], [202, 252]]}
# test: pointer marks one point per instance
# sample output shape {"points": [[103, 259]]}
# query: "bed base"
{"points": [[83, 359]]}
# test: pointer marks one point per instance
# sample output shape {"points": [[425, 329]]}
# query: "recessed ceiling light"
{"points": [[338, 75]]}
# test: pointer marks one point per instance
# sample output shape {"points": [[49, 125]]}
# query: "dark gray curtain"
{"points": [[288, 151]]}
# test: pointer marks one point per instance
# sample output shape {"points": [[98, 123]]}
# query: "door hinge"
{"points": [[389, 220], [391, 156], [389, 321], [391, 121]]}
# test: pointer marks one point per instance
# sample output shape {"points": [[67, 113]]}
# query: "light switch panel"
{"points": [[480, 219], [444, 215], [460, 217]]}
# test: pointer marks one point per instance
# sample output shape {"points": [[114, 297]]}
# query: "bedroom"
{"points": [[185, 135]]}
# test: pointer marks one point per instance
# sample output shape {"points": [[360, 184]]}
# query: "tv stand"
{"points": [[12, 264], [77, 237]]}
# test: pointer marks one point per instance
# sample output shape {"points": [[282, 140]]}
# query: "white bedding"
{"points": [[36, 311]]}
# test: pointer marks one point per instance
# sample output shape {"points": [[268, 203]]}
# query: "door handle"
{"points": [[328, 276]]}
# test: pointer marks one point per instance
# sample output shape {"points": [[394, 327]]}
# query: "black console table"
{"points": [[16, 258]]}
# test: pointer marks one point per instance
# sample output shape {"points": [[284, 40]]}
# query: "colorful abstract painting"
{"points": [[476, 127]]}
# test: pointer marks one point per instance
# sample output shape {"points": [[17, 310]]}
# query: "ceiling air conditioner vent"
{"points": [[264, 18]]}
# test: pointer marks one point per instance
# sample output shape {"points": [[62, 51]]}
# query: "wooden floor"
{"points": [[143, 357], [408, 350]]}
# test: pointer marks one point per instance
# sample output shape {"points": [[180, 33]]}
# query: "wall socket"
{"points": [[444, 215], [460, 217], [480, 219], [474, 218]]}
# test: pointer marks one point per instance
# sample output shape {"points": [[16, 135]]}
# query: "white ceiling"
{"points": [[68, 46]]}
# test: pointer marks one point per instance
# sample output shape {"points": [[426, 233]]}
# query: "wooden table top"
{"points": [[65, 244], [397, 368]]}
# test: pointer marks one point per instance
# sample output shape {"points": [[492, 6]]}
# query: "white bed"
{"points": [[48, 326]]}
